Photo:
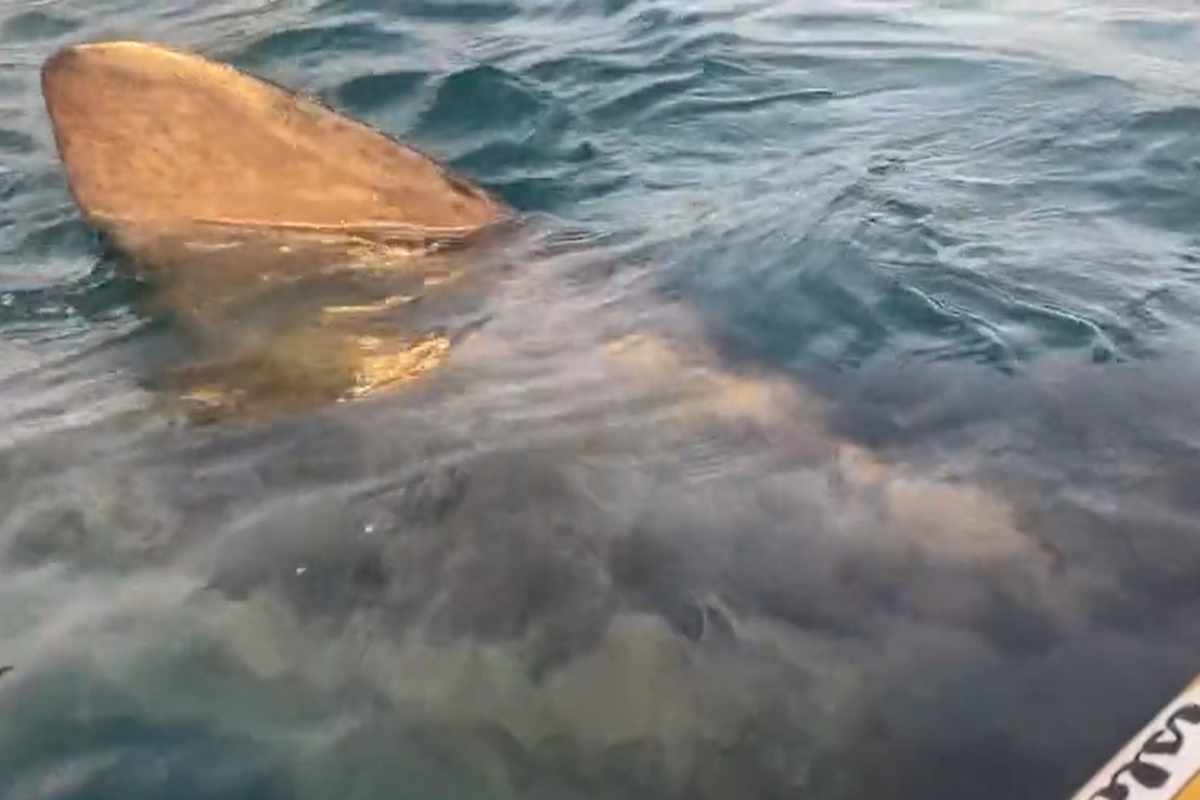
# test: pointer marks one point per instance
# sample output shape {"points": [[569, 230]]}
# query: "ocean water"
{"points": [[907, 510]]}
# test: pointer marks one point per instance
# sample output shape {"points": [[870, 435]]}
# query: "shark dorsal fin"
{"points": [[153, 138]]}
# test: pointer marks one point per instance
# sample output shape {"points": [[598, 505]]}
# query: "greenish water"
{"points": [[966, 233]]}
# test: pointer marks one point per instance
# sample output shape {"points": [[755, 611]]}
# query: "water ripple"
{"points": [[320, 42], [34, 25]]}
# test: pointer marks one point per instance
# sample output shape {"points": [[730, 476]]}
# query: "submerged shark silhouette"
{"points": [[226, 189]]}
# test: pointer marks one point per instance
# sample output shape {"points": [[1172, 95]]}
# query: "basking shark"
{"points": [[299, 249]]}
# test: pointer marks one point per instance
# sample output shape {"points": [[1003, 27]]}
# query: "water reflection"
{"points": [[276, 324]]}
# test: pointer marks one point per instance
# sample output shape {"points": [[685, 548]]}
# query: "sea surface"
{"points": [[908, 509]]}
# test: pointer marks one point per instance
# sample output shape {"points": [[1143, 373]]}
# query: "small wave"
{"points": [[321, 43], [370, 93], [431, 10], [37, 25]]}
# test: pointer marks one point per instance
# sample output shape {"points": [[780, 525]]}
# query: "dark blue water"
{"points": [[966, 233]]}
